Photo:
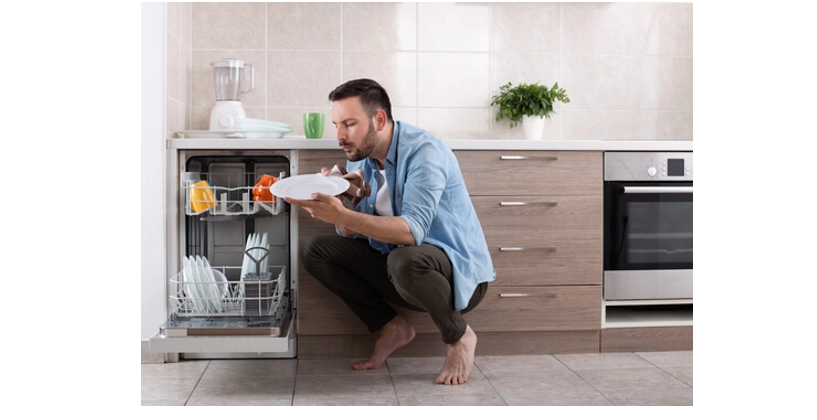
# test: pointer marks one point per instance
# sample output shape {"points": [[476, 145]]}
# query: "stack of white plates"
{"points": [[255, 128], [204, 286], [252, 123]]}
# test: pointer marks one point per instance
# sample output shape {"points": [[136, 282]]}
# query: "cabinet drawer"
{"points": [[538, 220], [543, 240], [552, 308], [575, 263], [531, 172]]}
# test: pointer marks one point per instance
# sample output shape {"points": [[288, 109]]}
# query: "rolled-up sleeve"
{"points": [[425, 181]]}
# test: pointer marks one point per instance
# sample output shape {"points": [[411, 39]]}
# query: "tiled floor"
{"points": [[660, 378]]}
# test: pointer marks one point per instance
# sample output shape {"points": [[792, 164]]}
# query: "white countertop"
{"points": [[296, 143]]}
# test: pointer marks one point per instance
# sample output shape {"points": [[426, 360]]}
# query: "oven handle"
{"points": [[657, 190]]}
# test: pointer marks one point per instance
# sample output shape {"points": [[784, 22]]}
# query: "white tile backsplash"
{"points": [[627, 67]]}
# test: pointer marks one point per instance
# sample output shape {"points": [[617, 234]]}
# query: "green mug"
{"points": [[313, 125]]}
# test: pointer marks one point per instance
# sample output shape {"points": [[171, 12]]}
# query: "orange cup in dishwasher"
{"points": [[201, 197], [261, 192]]}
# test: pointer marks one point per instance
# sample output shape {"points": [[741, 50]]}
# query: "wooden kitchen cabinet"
{"points": [[541, 213]]}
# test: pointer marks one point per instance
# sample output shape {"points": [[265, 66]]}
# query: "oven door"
{"points": [[648, 240]]}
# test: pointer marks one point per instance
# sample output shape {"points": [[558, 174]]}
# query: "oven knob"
{"points": [[651, 171]]}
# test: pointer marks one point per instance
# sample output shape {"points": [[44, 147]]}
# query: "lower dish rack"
{"points": [[258, 304], [256, 295]]}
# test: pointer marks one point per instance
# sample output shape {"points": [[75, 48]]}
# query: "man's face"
{"points": [[355, 130]]}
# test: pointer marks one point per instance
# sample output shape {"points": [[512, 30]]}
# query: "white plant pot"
{"points": [[533, 127]]}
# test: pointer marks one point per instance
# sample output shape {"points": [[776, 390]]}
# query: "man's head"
{"points": [[372, 96], [361, 113]]}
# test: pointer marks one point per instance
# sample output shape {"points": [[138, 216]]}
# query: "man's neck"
{"points": [[383, 145]]}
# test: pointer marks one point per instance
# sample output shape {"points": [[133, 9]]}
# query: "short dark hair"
{"points": [[372, 95]]}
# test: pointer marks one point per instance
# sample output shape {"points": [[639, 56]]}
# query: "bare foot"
{"points": [[395, 334], [460, 360]]}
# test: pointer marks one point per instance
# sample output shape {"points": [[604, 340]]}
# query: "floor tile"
{"points": [[629, 378], [553, 387], [520, 363], [167, 391], [415, 365], [649, 396], [214, 389], [252, 368], [668, 358], [492, 399], [186, 369], [336, 367], [313, 389], [424, 384], [683, 373], [603, 361], [345, 400]]}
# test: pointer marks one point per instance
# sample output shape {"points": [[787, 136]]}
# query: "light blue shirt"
{"points": [[427, 190]]}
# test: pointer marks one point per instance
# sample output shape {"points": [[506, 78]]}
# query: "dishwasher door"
{"points": [[231, 292]]}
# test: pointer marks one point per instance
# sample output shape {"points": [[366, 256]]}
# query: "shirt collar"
{"points": [[391, 157]]}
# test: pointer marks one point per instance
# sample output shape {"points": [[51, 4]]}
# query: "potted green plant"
{"points": [[529, 104]]}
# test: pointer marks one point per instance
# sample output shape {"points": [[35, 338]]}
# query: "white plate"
{"points": [[245, 266], [260, 124], [224, 290], [213, 288], [204, 134], [267, 133], [190, 281], [302, 187], [201, 284]]}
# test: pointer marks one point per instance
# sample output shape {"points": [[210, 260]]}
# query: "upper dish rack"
{"points": [[232, 194]]}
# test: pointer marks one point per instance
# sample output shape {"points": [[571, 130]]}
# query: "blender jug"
{"points": [[230, 77]]}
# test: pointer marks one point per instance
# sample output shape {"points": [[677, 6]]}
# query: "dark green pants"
{"points": [[414, 277]]}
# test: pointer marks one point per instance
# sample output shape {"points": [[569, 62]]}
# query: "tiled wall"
{"points": [[627, 67]]}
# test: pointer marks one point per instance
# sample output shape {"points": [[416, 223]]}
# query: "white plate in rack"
{"points": [[201, 283], [190, 284], [302, 187], [211, 286]]}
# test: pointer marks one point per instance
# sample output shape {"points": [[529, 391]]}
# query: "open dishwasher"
{"points": [[231, 292]]}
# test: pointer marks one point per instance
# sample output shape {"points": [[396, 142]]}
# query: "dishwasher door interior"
{"points": [[233, 292]]}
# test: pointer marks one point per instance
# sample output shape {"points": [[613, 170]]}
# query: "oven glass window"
{"points": [[658, 233], [647, 231]]}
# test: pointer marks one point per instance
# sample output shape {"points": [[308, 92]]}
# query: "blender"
{"points": [[230, 77]]}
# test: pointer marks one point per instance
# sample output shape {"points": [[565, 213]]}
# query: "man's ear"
{"points": [[380, 119]]}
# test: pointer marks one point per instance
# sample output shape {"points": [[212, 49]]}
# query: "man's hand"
{"points": [[357, 188]]}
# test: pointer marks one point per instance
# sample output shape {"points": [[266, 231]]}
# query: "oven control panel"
{"points": [[648, 166]]}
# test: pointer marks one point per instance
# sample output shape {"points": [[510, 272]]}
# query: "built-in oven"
{"points": [[231, 291], [648, 226]]}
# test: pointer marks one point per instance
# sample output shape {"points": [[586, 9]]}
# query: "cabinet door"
{"points": [[531, 172], [543, 240]]}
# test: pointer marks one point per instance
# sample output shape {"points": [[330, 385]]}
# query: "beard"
{"points": [[366, 146]]}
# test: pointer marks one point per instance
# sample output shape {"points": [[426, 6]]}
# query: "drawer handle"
{"points": [[526, 248], [529, 157], [528, 203], [521, 295]]}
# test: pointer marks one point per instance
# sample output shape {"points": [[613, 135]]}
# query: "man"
{"points": [[415, 241]]}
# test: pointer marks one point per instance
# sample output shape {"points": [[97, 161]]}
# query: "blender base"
{"points": [[224, 114]]}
